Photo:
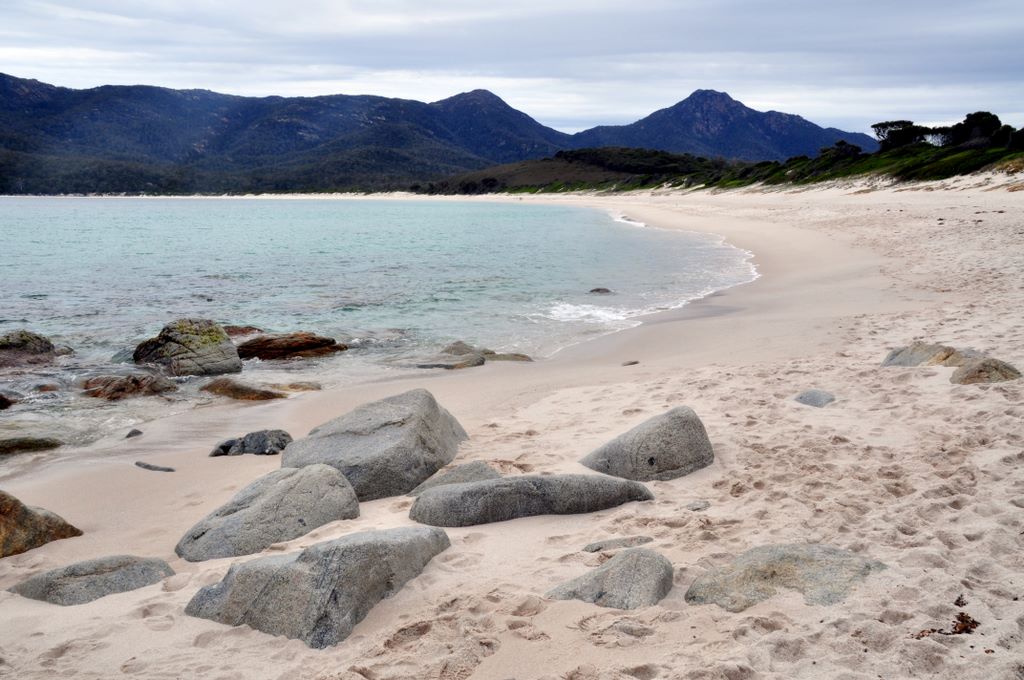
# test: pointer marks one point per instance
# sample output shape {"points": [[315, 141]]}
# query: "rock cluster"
{"points": [[972, 367], [190, 347], [320, 594], [497, 500], [666, 446], [92, 579], [384, 448], [23, 528]]}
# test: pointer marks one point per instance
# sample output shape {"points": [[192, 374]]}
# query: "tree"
{"points": [[893, 134], [976, 129]]}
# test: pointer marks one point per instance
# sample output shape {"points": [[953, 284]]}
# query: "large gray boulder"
{"points": [[634, 578], [928, 354], [190, 347], [976, 371], [23, 528], [476, 471], [824, 574], [279, 506], [667, 446], [384, 448], [497, 500], [320, 594], [92, 579]]}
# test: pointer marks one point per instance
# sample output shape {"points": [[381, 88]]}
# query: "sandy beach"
{"points": [[904, 468]]}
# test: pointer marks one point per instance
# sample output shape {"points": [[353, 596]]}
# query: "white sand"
{"points": [[904, 467]]}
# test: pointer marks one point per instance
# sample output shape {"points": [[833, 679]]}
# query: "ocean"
{"points": [[395, 280]]}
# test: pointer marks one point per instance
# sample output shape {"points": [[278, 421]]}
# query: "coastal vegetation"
{"points": [[906, 152]]}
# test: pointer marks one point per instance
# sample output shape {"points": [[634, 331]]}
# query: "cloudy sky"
{"points": [[571, 64]]}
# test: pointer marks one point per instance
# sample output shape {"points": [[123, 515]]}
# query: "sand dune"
{"points": [[904, 468]]}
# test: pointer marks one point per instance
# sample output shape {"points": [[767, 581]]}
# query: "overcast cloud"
{"points": [[570, 64]]}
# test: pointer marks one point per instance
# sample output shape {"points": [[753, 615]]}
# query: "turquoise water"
{"points": [[396, 279]]}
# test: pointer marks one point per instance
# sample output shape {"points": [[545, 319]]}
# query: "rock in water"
{"points": [[289, 346], [815, 397], [616, 543], [497, 500], [236, 389], [984, 371], [928, 354], [6, 402], [239, 331], [132, 433], [667, 446], [190, 347], [23, 528], [384, 448], [824, 574], [279, 506], [117, 387], [20, 348], [153, 468], [470, 472], [92, 579], [261, 443], [28, 444], [468, 361], [634, 578], [319, 595]]}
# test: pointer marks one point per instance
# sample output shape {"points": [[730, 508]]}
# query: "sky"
{"points": [[571, 64]]}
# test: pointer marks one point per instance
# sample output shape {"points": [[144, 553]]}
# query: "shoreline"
{"points": [[844, 276]]}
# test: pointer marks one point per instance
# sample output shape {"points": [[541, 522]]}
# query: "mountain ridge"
{"points": [[129, 138]]}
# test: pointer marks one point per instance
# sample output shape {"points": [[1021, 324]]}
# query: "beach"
{"points": [[904, 468]]}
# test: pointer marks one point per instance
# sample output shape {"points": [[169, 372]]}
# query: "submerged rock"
{"points": [[132, 433], [634, 578], [667, 446], [600, 291], [815, 397], [319, 595], [469, 361], [469, 472], [190, 347], [23, 528], [236, 389], [824, 574], [384, 448], [260, 443], [22, 348], [289, 346], [92, 579], [468, 356], [984, 371], [28, 444], [279, 506], [617, 543], [117, 387], [6, 402], [497, 500]]}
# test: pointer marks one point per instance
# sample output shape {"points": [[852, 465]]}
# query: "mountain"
{"points": [[153, 139], [711, 124]]}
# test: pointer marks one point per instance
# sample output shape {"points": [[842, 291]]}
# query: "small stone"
{"points": [[634, 578], [600, 291], [133, 433], [471, 361], [154, 468], [698, 506], [616, 543], [630, 363], [92, 579], [5, 402], [815, 397], [260, 443]]}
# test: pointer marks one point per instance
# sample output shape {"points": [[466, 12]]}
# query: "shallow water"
{"points": [[395, 279]]}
